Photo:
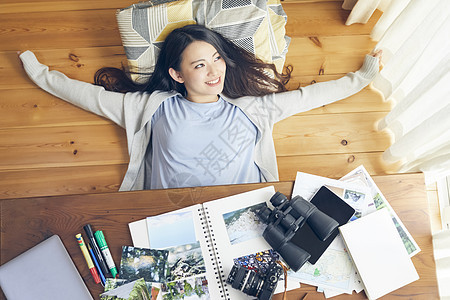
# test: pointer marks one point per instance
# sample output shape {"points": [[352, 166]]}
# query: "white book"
{"points": [[378, 253]]}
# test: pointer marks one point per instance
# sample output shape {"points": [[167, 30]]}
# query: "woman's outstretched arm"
{"points": [[323, 93], [84, 95]]}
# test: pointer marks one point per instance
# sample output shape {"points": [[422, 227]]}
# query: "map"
{"points": [[334, 270]]}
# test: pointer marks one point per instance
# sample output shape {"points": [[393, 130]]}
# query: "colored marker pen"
{"points": [[100, 238], [95, 249], [88, 259], [102, 277]]}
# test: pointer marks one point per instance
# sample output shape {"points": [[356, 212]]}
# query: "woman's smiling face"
{"points": [[202, 71]]}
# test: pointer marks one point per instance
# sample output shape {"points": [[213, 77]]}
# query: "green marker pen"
{"points": [[100, 238]]}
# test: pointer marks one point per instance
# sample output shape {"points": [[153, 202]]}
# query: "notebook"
{"points": [[378, 253], [46, 271]]}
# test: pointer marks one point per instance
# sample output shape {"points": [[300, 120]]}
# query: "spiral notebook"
{"points": [[226, 229]]}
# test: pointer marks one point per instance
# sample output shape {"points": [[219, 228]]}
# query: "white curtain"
{"points": [[441, 247], [362, 10], [415, 38]]}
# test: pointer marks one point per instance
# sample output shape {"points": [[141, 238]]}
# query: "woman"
{"points": [[206, 114]]}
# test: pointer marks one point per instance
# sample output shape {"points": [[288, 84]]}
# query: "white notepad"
{"points": [[378, 253], [46, 271]]}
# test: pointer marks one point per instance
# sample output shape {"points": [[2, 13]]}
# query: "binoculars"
{"points": [[284, 221]]}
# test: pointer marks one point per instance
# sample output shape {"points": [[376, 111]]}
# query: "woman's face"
{"points": [[202, 71]]}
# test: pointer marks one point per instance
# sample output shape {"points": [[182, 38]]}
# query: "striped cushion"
{"points": [[255, 25]]}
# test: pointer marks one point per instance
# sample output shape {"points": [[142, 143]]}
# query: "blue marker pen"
{"points": [[102, 277]]}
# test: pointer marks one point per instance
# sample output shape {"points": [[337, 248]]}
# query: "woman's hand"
{"points": [[18, 55], [378, 54]]}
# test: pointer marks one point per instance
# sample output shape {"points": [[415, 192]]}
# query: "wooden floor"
{"points": [[48, 147]]}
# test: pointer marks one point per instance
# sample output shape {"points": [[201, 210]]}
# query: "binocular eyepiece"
{"points": [[284, 221]]}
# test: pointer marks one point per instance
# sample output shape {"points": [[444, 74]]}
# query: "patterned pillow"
{"points": [[279, 41], [255, 25]]}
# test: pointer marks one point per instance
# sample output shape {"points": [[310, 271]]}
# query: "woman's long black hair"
{"points": [[246, 75]]}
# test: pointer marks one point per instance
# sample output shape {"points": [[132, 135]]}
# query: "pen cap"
{"points": [[88, 230], [100, 238], [79, 239]]}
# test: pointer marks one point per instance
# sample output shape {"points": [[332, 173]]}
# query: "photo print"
{"points": [[149, 264], [171, 229], [190, 288], [357, 201], [185, 261], [116, 289], [244, 224]]}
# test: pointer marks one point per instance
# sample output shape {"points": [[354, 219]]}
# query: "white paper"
{"points": [[139, 234], [380, 202], [378, 253]]}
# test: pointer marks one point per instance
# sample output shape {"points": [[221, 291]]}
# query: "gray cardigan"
{"points": [[134, 111]]}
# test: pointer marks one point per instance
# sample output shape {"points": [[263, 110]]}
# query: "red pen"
{"points": [[88, 258]]}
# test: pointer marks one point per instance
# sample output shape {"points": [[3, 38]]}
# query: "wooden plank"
{"points": [[60, 181], [9, 6], [367, 100], [334, 55], [37, 108], [107, 178], [305, 18], [324, 18], [106, 144], [333, 165], [328, 55], [297, 81], [27, 6], [95, 28], [306, 1], [21, 6], [330, 133], [77, 63], [62, 146], [355, 45], [434, 207], [59, 29]]}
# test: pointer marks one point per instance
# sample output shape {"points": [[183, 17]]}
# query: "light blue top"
{"points": [[200, 144]]}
